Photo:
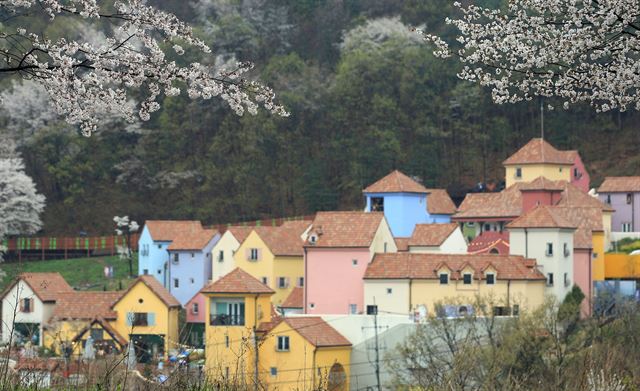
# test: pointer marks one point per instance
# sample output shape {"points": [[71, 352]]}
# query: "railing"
{"points": [[226, 320]]}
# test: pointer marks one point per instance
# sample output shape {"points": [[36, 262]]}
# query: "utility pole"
{"points": [[375, 325]]}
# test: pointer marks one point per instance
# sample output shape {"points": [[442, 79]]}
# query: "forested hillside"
{"points": [[366, 95]]}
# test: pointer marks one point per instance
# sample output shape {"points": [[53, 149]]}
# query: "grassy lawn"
{"points": [[81, 273]]}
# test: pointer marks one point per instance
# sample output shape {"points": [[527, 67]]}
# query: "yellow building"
{"points": [[245, 341], [148, 314], [275, 256], [418, 283], [536, 159], [620, 266]]}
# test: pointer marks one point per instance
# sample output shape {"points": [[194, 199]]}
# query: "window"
{"points": [[175, 258], [500, 311], [26, 305], [300, 282], [193, 255], [609, 199], [626, 227], [487, 227], [265, 280], [385, 247], [221, 256], [518, 172], [194, 308], [629, 198], [97, 334], [159, 271], [226, 340], [594, 255], [192, 281], [491, 279], [466, 278], [389, 291], [140, 319], [160, 246], [312, 305], [353, 308], [145, 271], [354, 262], [444, 278], [549, 279], [226, 372], [576, 173], [567, 281], [227, 312], [176, 283], [516, 310], [377, 204], [549, 251], [283, 282], [372, 310], [253, 254], [274, 371], [566, 249], [283, 343]]}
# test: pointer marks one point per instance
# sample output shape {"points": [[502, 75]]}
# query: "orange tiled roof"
{"points": [[237, 281], [396, 182], [426, 266], [402, 243], [620, 184], [586, 219], [46, 286], [37, 364], [195, 240], [85, 305], [106, 327], [345, 229], [240, 232], [542, 183], [169, 230], [440, 203], [431, 234], [505, 204], [572, 196], [489, 240], [294, 300], [539, 151], [315, 330], [285, 240], [542, 216], [157, 288]]}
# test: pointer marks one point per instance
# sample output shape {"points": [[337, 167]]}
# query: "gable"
{"points": [[130, 301], [253, 240]]}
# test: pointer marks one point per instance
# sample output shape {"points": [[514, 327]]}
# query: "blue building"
{"points": [[190, 263], [406, 203], [156, 236]]}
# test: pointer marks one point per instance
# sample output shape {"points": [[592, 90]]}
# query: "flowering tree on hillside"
{"points": [[580, 51], [126, 227], [87, 79], [20, 203]]}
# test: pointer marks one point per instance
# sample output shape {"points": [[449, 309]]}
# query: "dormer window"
{"points": [[466, 278], [491, 279], [444, 278], [377, 204], [518, 172]]}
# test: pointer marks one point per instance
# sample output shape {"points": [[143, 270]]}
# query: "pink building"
{"points": [[194, 335], [579, 176], [338, 249]]}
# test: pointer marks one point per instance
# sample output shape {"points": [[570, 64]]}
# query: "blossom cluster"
{"points": [[85, 80], [580, 51]]}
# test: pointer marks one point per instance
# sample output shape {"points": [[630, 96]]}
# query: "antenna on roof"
{"points": [[542, 118]]}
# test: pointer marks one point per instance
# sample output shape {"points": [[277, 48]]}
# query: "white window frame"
{"points": [[470, 278], [253, 254], [283, 343], [487, 278], [548, 249], [440, 278]]}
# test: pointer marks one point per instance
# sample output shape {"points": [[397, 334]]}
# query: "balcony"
{"points": [[226, 320]]}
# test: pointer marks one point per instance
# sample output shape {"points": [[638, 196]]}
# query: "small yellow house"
{"points": [[147, 314], [536, 159], [275, 256], [411, 282], [292, 353], [73, 314]]}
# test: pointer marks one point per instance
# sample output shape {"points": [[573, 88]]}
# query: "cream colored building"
{"points": [[437, 238], [410, 283], [222, 261]]}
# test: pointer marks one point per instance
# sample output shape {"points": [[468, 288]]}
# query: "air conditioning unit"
{"points": [[567, 252], [567, 282]]}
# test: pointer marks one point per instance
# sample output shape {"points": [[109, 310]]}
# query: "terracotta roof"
{"points": [[85, 305], [489, 240], [195, 240], [37, 364], [396, 182], [587, 220], [294, 300], [542, 216], [157, 288], [46, 286], [402, 243], [237, 281], [106, 327], [315, 330], [505, 204], [431, 234], [169, 230], [285, 240], [620, 184], [345, 229], [240, 232], [573, 196], [426, 266], [542, 183], [539, 151], [439, 202]]}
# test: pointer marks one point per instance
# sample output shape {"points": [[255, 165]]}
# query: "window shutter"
{"points": [[32, 303], [247, 253], [286, 282], [22, 305], [259, 254], [129, 319], [151, 319]]}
